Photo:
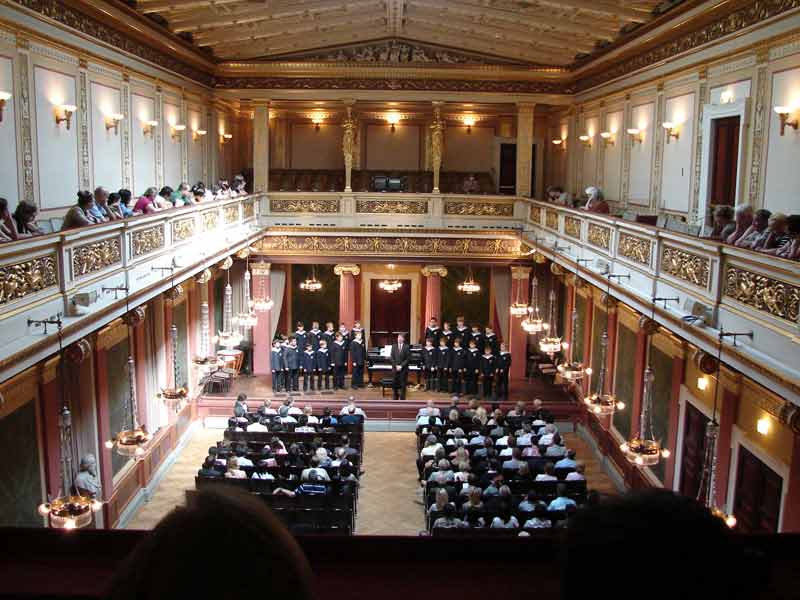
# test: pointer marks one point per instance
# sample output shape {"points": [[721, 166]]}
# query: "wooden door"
{"points": [[724, 160], [390, 313], [694, 447], [757, 499], [507, 183]]}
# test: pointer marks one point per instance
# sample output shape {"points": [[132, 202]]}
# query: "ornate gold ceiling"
{"points": [[524, 32]]}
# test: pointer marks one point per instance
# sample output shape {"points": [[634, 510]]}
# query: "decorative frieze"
{"points": [[304, 205], [147, 240], [231, 214], [210, 219], [572, 227], [536, 215], [634, 248], [183, 229], [599, 236], [766, 294], [93, 257], [686, 266], [479, 209], [249, 210], [28, 277], [551, 219], [389, 246], [399, 207]]}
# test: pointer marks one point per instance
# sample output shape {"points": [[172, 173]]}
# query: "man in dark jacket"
{"points": [[358, 356], [300, 335], [473, 363], [504, 366], [291, 362], [488, 370], [323, 365], [430, 358], [400, 355], [308, 366], [276, 366], [443, 364], [458, 367], [339, 361]]}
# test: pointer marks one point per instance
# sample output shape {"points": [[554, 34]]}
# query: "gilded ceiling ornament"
{"points": [[28, 277], [599, 236], [95, 256], [634, 248], [147, 240], [182, 229], [471, 208], [400, 207], [346, 268], [572, 227], [772, 296], [686, 266], [304, 205], [429, 270]]}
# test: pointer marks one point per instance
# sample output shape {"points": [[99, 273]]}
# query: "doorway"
{"points": [[694, 447], [757, 498], [390, 313], [724, 159], [507, 183]]}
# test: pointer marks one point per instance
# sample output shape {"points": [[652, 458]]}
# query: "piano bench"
{"points": [[386, 382]]}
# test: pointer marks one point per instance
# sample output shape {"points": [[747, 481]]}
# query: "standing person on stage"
{"points": [[358, 356], [276, 365], [329, 335], [447, 333], [492, 339], [357, 328], [291, 361], [346, 336], [339, 361], [478, 337], [473, 363], [301, 336], [443, 364], [462, 331], [323, 365], [504, 366], [308, 366], [313, 335], [458, 367], [488, 370], [430, 359], [400, 355], [432, 331]]}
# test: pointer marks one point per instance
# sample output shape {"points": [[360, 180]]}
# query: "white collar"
{"points": [[340, 342], [315, 331], [309, 352], [490, 334], [301, 330], [487, 355], [504, 352], [355, 341], [444, 347], [434, 328], [323, 349]]}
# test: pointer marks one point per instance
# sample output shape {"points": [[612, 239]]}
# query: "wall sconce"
{"points": [[469, 122], [3, 97], [148, 127], [112, 122], [393, 119], [198, 133], [763, 425], [175, 131], [560, 144], [225, 137], [64, 114], [636, 135], [671, 130], [586, 140], [702, 383], [784, 112], [317, 121], [726, 97], [608, 138]]}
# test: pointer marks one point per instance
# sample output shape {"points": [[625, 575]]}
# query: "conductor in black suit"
{"points": [[400, 354]]}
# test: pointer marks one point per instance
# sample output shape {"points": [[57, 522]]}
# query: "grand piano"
{"points": [[378, 361]]}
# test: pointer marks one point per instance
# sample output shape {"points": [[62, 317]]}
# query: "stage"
{"points": [[383, 407]]}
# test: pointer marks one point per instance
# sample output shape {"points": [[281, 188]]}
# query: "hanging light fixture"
{"points": [[174, 397], [469, 286], [390, 286], [571, 370], [229, 337], [312, 284], [131, 442], [70, 509], [550, 344], [517, 308], [262, 301], [247, 317], [601, 403], [533, 323], [643, 449]]}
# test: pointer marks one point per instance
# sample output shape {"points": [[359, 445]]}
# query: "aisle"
{"points": [[388, 500]]}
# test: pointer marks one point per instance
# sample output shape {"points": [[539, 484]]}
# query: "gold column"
{"points": [[348, 146], [524, 149], [261, 148], [437, 144]]}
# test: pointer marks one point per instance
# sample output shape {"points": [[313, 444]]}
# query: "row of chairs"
{"points": [[333, 180], [546, 490], [554, 516]]}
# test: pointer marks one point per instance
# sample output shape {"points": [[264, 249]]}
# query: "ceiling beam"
{"points": [[632, 15], [506, 31], [191, 21], [274, 28], [157, 6], [287, 45], [395, 15]]}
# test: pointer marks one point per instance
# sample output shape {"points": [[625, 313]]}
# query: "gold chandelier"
{"points": [[550, 344], [642, 449], [390, 286], [533, 323], [469, 285], [571, 370], [247, 318], [312, 284], [602, 403], [517, 308], [229, 337]]}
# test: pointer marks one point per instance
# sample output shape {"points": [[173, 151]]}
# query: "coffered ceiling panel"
{"points": [[529, 32]]}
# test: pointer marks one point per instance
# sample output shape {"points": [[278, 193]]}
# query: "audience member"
{"points": [[101, 205], [233, 471], [743, 220], [125, 203], [578, 474], [595, 202], [25, 219], [557, 195], [80, 215], [114, 206], [8, 229], [791, 248], [757, 229], [561, 501], [723, 224], [146, 204]]}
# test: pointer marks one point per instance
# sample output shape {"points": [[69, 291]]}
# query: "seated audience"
{"points": [[351, 403], [743, 219], [471, 185], [549, 473], [791, 248], [261, 425], [316, 469], [101, 205], [757, 229], [25, 219], [80, 215], [442, 502], [114, 206], [557, 448], [505, 520], [568, 462], [164, 198], [722, 224], [146, 204], [262, 472], [531, 503], [557, 195], [209, 469], [125, 203], [429, 410], [449, 520], [233, 471], [578, 474], [595, 202], [8, 229], [561, 501], [539, 519]]}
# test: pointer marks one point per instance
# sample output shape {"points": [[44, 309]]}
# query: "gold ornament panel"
{"points": [[182, 229], [95, 256], [599, 236], [479, 209], [687, 266], [231, 214], [634, 248], [572, 227], [147, 240], [392, 246], [28, 277], [399, 207], [551, 219], [772, 296], [249, 209], [536, 215], [304, 205], [210, 219]]}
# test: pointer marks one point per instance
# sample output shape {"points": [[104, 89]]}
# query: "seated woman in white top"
{"points": [[505, 520], [431, 447], [442, 502], [578, 474], [548, 475], [312, 420], [539, 519], [234, 472], [261, 471]]}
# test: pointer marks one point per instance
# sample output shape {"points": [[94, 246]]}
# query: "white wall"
{"points": [[641, 154], [471, 152], [106, 145], [676, 174], [57, 146], [393, 151], [172, 148], [782, 185], [196, 154], [9, 185], [734, 92], [312, 149], [612, 156], [592, 129], [144, 146]]}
